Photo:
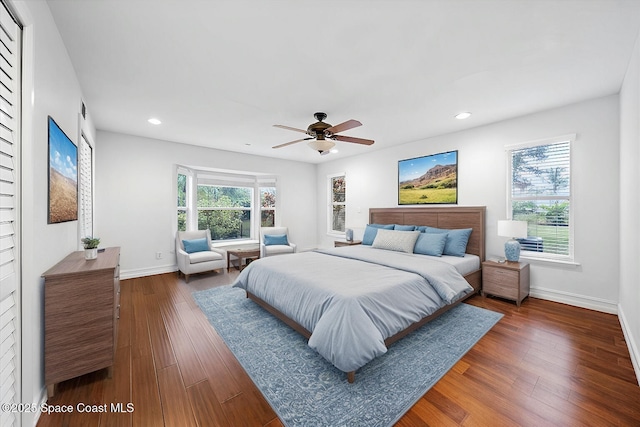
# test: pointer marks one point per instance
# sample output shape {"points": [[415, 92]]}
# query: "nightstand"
{"points": [[507, 280], [339, 243]]}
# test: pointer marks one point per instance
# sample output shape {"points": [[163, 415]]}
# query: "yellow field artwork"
{"points": [[417, 196]]}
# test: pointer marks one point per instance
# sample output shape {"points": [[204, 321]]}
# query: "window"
{"points": [[232, 205], [338, 205], [226, 211], [540, 194], [182, 202], [267, 206], [86, 187]]}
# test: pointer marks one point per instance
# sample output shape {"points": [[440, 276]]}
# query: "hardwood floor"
{"points": [[544, 364]]}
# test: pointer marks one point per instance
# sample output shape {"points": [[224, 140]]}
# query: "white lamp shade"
{"points": [[321, 145], [509, 228]]}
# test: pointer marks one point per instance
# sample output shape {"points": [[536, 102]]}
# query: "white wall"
{"points": [[372, 182], [629, 307], [136, 201], [50, 87]]}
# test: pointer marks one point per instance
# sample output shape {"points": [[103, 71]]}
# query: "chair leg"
{"points": [[186, 278]]}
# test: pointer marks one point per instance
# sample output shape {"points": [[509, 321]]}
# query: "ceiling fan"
{"points": [[323, 134]]}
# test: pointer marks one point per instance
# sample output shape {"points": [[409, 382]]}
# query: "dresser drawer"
{"points": [[506, 289], [499, 274]]}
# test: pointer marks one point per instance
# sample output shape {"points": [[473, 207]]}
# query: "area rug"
{"points": [[306, 390]]}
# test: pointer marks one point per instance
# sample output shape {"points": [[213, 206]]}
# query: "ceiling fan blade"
{"points": [[290, 128], [349, 124], [352, 139], [292, 142]]}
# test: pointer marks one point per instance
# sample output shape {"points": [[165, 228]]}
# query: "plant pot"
{"points": [[91, 253]]}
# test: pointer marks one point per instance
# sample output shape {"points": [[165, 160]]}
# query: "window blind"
{"points": [[541, 195], [86, 188]]}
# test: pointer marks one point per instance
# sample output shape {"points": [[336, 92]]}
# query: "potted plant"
{"points": [[90, 247]]}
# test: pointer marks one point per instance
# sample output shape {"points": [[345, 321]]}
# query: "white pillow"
{"points": [[395, 240]]}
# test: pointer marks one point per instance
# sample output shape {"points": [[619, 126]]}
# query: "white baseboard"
{"points": [[591, 303], [142, 272], [42, 401], [634, 352]]}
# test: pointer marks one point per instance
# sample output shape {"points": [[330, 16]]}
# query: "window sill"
{"points": [[550, 260], [239, 242]]}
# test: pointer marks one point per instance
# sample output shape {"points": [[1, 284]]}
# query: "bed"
{"points": [[352, 302]]}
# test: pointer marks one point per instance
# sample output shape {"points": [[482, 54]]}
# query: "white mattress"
{"points": [[465, 265]]}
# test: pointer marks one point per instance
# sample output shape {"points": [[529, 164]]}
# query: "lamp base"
{"points": [[512, 250]]}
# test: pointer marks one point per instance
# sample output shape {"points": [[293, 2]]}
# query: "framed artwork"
{"points": [[429, 179], [63, 176]]}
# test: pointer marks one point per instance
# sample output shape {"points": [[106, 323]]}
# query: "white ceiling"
{"points": [[221, 73]]}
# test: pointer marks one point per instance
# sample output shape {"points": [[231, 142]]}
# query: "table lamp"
{"points": [[513, 229]]}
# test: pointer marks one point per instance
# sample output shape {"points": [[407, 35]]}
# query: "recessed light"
{"points": [[462, 116], [334, 150], [154, 121]]}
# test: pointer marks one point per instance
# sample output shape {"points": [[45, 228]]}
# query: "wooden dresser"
{"points": [[81, 311]]}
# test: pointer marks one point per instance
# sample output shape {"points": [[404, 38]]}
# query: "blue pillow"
{"points": [[371, 230], [457, 240], [404, 227], [430, 244], [196, 245], [275, 239]]}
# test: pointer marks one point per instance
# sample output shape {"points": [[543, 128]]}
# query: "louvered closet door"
{"points": [[9, 208]]}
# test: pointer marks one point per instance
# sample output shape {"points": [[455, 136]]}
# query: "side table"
{"points": [[241, 254], [506, 279]]}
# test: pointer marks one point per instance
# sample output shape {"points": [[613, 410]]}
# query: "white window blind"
{"points": [[10, 34], [86, 188], [540, 194]]}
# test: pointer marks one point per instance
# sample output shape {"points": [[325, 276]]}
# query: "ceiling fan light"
{"points": [[321, 145]]}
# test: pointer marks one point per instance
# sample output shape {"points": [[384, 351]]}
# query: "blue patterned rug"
{"points": [[304, 389]]}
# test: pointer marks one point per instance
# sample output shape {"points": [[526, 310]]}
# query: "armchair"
{"points": [[276, 241], [199, 255]]}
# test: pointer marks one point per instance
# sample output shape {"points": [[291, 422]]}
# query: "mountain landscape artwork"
{"points": [[429, 179]]}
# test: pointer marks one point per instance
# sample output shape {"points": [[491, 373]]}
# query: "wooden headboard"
{"points": [[440, 217]]}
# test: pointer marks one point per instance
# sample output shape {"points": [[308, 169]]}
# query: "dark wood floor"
{"points": [[544, 364]]}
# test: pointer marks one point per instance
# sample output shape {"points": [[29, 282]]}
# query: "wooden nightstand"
{"points": [[339, 243], [507, 280]]}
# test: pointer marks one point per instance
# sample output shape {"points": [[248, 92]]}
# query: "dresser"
{"points": [[81, 311], [508, 280]]}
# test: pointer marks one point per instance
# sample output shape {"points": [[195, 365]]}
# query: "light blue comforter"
{"points": [[353, 298]]}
